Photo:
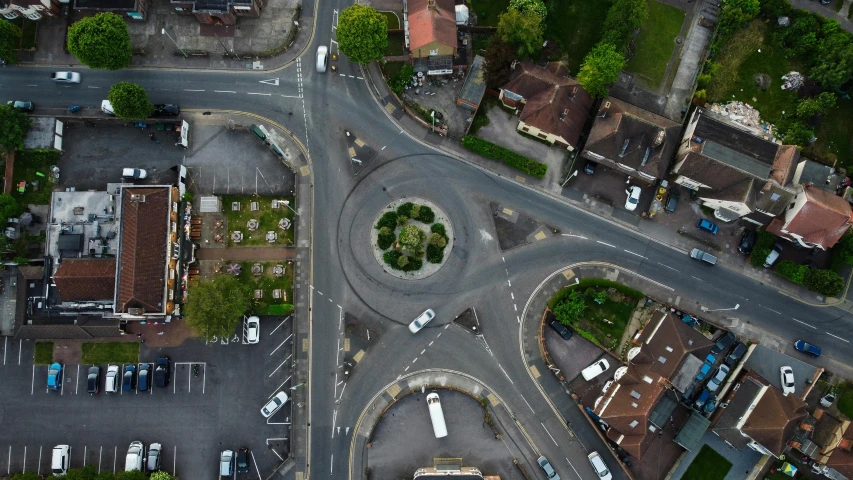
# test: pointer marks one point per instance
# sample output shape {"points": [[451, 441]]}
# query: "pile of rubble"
{"points": [[745, 115]]}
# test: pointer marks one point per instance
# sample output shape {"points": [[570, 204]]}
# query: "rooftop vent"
{"points": [[633, 423], [662, 359], [635, 394], [646, 157], [669, 349], [624, 148], [135, 311], [137, 198], [658, 139]]}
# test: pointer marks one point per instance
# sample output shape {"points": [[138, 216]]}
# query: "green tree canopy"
{"points": [[600, 68], [130, 101], [101, 42], [499, 56], [362, 33], [817, 105], [623, 19], [10, 35], [13, 127], [535, 7], [9, 207], [833, 65], [570, 308], [521, 30], [824, 282], [214, 308]]}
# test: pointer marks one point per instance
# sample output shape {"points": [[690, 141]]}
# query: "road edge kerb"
{"points": [[361, 432]]}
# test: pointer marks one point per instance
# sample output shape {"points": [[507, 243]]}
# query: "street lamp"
{"points": [[705, 309], [164, 32], [287, 204], [432, 114], [574, 174]]}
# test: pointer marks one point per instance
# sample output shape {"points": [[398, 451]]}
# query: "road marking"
{"points": [[422, 351], [9, 463], [697, 278], [90, 86], [224, 91], [502, 369], [407, 369], [5, 348], [174, 462], [279, 325], [189, 90], [415, 360], [383, 148], [439, 334], [774, 311], [33, 385], [573, 467], [263, 94], [39, 466], [25, 458], [100, 456], [20, 348], [430, 343], [504, 259], [512, 295], [637, 254], [836, 336], [509, 283], [276, 368], [804, 323], [84, 455], [667, 266], [447, 326], [515, 307], [609, 245], [332, 464], [282, 343], [334, 419], [549, 434], [272, 81], [576, 236], [528, 405]]}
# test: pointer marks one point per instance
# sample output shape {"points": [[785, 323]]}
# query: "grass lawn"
{"points": [[655, 43], [267, 281], [396, 45], [576, 26], [834, 140], [28, 163], [838, 5], [616, 309], [393, 21], [267, 217], [845, 399], [44, 353], [111, 352], [488, 11], [708, 465]]}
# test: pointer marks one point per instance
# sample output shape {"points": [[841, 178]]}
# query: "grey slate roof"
{"points": [[726, 426], [734, 139]]}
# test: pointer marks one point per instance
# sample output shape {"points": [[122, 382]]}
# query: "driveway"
{"points": [[609, 186]]}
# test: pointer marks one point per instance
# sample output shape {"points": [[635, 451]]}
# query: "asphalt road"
{"points": [[318, 108]]}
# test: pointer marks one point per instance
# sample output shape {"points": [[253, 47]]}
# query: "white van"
{"points": [[107, 107], [135, 456], [437, 415], [113, 379], [59, 460], [595, 369]]}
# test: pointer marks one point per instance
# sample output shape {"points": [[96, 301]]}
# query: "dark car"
{"points": [[561, 329], [143, 379], [21, 105], [162, 371], [723, 343], [671, 200], [589, 168], [736, 354], [243, 459], [166, 110], [129, 377], [807, 348], [747, 242], [707, 226], [93, 380]]}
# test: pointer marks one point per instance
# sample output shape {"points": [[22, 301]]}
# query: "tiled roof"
{"points": [[787, 158], [842, 462], [737, 139], [823, 219], [432, 21], [726, 426], [142, 254], [666, 341], [31, 272], [81, 279], [708, 171]]}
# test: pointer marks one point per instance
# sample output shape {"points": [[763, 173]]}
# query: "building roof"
{"points": [[143, 249], [666, 342], [31, 272], [633, 137], [475, 85], [731, 137], [784, 164], [726, 425], [432, 21], [117, 5], [766, 362], [822, 220], [773, 199], [825, 429], [691, 433], [82, 279]]}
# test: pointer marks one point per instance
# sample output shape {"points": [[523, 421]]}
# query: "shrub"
{"points": [[410, 237], [792, 271], [415, 212], [702, 81], [390, 257], [404, 76], [758, 256], [385, 240], [507, 156], [405, 209], [438, 228], [434, 253], [824, 282], [426, 215], [570, 308], [402, 261], [842, 253], [438, 240], [402, 220], [388, 219]]}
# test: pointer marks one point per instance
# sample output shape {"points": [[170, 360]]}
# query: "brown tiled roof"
{"points": [[774, 419], [667, 340], [432, 21], [841, 461], [81, 279], [708, 171], [31, 272], [529, 79], [823, 219], [787, 158], [142, 254], [825, 429]]}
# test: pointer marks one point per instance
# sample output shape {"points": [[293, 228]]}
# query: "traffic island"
{"points": [[469, 321], [411, 238], [515, 229]]}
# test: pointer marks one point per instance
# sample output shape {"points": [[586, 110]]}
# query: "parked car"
{"points": [[253, 329], [599, 466], [717, 380], [226, 464], [21, 106], [65, 77], [135, 457], [747, 242], [707, 226], [807, 348], [561, 329], [787, 378], [710, 360], [129, 377], [827, 400], [549, 470], [162, 372], [703, 256], [93, 380], [422, 320], [59, 461], [243, 460], [736, 354], [107, 107], [54, 376], [595, 369], [633, 199], [152, 464], [671, 200], [111, 384], [702, 399], [773, 255], [723, 343], [143, 378], [322, 58], [589, 167], [134, 173], [166, 110], [274, 404]]}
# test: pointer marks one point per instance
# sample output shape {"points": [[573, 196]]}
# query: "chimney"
{"points": [[137, 198], [574, 91], [624, 148], [658, 139], [564, 114], [432, 6], [850, 219]]}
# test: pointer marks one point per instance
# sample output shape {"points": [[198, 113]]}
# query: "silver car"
{"points": [[66, 77], [322, 58], [422, 320]]}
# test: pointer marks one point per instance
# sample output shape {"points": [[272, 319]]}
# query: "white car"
{"points": [[135, 456], [599, 466], [322, 58], [66, 77], [253, 329], [134, 173], [274, 404], [107, 107], [60, 459], [715, 382], [595, 369], [787, 374], [633, 198], [113, 379], [422, 320]]}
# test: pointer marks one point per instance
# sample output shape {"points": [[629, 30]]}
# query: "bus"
{"points": [[437, 415]]}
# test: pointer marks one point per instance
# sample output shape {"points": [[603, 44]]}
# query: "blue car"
{"points": [[143, 378], [807, 348], [54, 376], [129, 374], [709, 227], [710, 360]]}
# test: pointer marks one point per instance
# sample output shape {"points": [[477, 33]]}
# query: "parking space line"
{"points": [[276, 368], [5, 348], [62, 384], [77, 387], [282, 343], [277, 388], [280, 324], [38, 471], [85, 448], [25, 459], [100, 456], [33, 385], [549, 434], [115, 455], [9, 462], [203, 378], [256, 465], [175, 462], [189, 380], [20, 347]]}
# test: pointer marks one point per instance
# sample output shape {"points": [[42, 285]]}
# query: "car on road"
{"points": [[589, 167], [253, 329], [243, 460], [143, 378], [807, 348], [787, 378], [717, 380], [671, 200], [827, 400], [59, 460], [135, 457], [134, 173], [599, 466], [21, 105], [274, 404], [703, 256], [54, 376], [226, 463], [736, 354], [112, 379], [707, 226], [422, 320], [107, 107], [633, 199], [162, 372], [65, 77], [595, 369], [747, 242], [166, 110], [129, 377], [152, 463], [723, 343], [93, 380], [561, 329], [773, 255], [549, 470], [322, 58]]}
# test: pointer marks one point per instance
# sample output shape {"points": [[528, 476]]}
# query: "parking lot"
{"points": [[609, 186], [194, 417]]}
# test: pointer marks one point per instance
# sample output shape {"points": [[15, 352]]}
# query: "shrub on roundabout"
{"points": [[409, 243]]}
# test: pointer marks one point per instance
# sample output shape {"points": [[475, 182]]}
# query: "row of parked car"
{"points": [[137, 458], [594, 459], [132, 376]]}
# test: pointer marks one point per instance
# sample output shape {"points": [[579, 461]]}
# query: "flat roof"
{"points": [[74, 216]]}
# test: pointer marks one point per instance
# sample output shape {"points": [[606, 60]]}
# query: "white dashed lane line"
{"points": [[637, 254], [836, 336], [607, 244], [804, 323]]}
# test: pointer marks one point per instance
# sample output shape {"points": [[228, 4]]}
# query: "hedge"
{"points": [[385, 241], [496, 152], [426, 215], [391, 258], [388, 219], [792, 271], [824, 282], [434, 253], [438, 228]]}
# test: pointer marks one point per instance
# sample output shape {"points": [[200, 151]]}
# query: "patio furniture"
{"points": [[278, 270], [259, 294], [254, 206], [252, 224], [217, 268], [276, 294], [217, 238], [284, 223], [235, 206], [275, 204], [272, 236], [257, 269], [234, 269], [219, 224], [237, 236]]}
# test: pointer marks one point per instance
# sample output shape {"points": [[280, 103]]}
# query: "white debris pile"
{"points": [[745, 115], [793, 81]]}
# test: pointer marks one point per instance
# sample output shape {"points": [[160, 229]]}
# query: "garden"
{"points": [[256, 216], [270, 286], [654, 44], [822, 281], [597, 309], [708, 465], [32, 179], [43, 353], [402, 235]]}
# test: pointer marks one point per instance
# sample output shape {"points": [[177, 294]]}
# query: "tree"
{"points": [[398, 83], [101, 42], [130, 101], [499, 57], [842, 252], [600, 68], [824, 282], [26, 475], [817, 105], [214, 307], [10, 36], [735, 13], [9, 207], [533, 7], [795, 132], [521, 30], [362, 33], [13, 128], [161, 475], [623, 18], [411, 237], [570, 309]]}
